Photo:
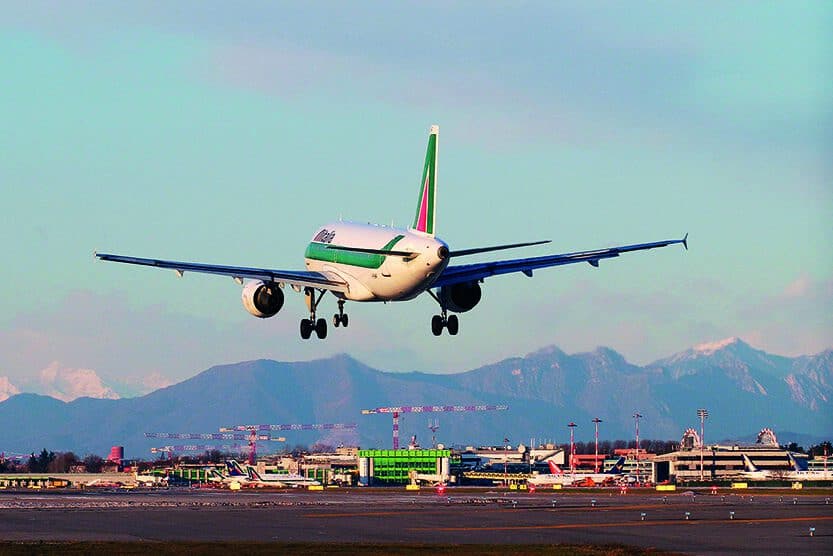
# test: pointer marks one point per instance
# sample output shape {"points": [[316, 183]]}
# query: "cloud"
{"points": [[795, 320]]}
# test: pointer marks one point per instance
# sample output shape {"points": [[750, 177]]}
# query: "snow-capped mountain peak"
{"points": [[709, 348]]}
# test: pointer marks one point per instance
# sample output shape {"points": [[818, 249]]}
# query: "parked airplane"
{"points": [[799, 472], [279, 480], [558, 477], [365, 262]]}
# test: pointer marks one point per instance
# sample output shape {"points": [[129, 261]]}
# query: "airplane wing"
{"points": [[478, 271], [292, 277]]}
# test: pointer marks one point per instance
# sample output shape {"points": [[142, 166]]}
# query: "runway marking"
{"points": [[624, 524]]}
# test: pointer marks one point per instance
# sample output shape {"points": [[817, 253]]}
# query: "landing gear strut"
{"points": [[443, 320], [340, 318], [312, 324]]}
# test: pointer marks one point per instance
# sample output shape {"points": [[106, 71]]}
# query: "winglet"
{"points": [[685, 241]]}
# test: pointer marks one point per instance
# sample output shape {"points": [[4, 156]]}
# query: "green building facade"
{"points": [[392, 467]]}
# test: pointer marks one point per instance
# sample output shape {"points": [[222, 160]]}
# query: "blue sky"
{"points": [[199, 131]]}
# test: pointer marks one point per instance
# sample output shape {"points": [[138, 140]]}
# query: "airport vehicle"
{"points": [[365, 262], [558, 477]]}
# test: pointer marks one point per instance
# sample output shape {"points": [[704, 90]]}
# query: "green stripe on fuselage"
{"points": [[332, 254]]}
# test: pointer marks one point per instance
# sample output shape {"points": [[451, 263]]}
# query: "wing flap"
{"points": [[297, 278]]}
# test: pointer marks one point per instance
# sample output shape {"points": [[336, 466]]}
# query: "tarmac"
{"points": [[725, 523]]}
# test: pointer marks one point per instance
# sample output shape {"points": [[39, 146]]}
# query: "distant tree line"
{"points": [[52, 462], [608, 446], [816, 450]]}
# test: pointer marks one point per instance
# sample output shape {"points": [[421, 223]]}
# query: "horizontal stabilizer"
{"points": [[474, 251]]}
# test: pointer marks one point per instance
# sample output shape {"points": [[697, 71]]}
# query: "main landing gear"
{"points": [[319, 326], [450, 322], [310, 324], [443, 320], [340, 318]]}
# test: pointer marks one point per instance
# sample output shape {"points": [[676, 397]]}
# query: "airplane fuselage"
{"points": [[335, 250]]}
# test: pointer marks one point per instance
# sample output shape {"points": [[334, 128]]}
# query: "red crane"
{"points": [[395, 411]]}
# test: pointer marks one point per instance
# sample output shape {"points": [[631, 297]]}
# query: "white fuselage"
{"points": [[374, 276]]}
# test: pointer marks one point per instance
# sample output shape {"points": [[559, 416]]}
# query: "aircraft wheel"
{"points": [[336, 320], [321, 329], [306, 328], [344, 320], [437, 325], [453, 325]]}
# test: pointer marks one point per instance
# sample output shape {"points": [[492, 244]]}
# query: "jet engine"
{"points": [[460, 297], [262, 299]]}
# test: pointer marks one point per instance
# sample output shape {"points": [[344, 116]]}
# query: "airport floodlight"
{"points": [[596, 422], [703, 414], [572, 447]]}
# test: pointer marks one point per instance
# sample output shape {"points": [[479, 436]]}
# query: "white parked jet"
{"points": [[557, 476], [365, 262]]}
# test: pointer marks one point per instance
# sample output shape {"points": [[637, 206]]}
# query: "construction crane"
{"points": [[433, 426], [395, 411], [195, 448], [252, 437], [254, 429], [305, 427]]}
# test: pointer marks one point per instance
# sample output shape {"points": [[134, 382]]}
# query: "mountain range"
{"points": [[744, 390]]}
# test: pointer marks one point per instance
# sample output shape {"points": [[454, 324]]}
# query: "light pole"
{"points": [[596, 422], [505, 460], [572, 449], [702, 414], [636, 417]]}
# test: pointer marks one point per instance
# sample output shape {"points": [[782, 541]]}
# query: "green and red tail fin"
{"points": [[426, 209]]}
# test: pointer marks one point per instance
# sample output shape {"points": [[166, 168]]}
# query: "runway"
{"points": [[678, 522]]}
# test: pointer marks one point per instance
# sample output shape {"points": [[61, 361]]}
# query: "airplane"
{"points": [[799, 472], [234, 474], [376, 263], [558, 477], [250, 477], [149, 480], [279, 480]]}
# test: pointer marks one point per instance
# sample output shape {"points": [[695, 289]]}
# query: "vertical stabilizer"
{"points": [[617, 468], [426, 208]]}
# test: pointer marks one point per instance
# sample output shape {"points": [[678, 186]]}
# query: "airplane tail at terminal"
{"points": [[426, 208], [618, 467], [554, 469], [253, 474], [234, 469], [798, 465], [750, 467]]}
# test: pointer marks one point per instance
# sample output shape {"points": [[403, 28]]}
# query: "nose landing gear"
{"points": [[340, 318]]}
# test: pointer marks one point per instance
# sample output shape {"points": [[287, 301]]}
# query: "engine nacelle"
{"points": [[460, 297], [262, 299]]}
